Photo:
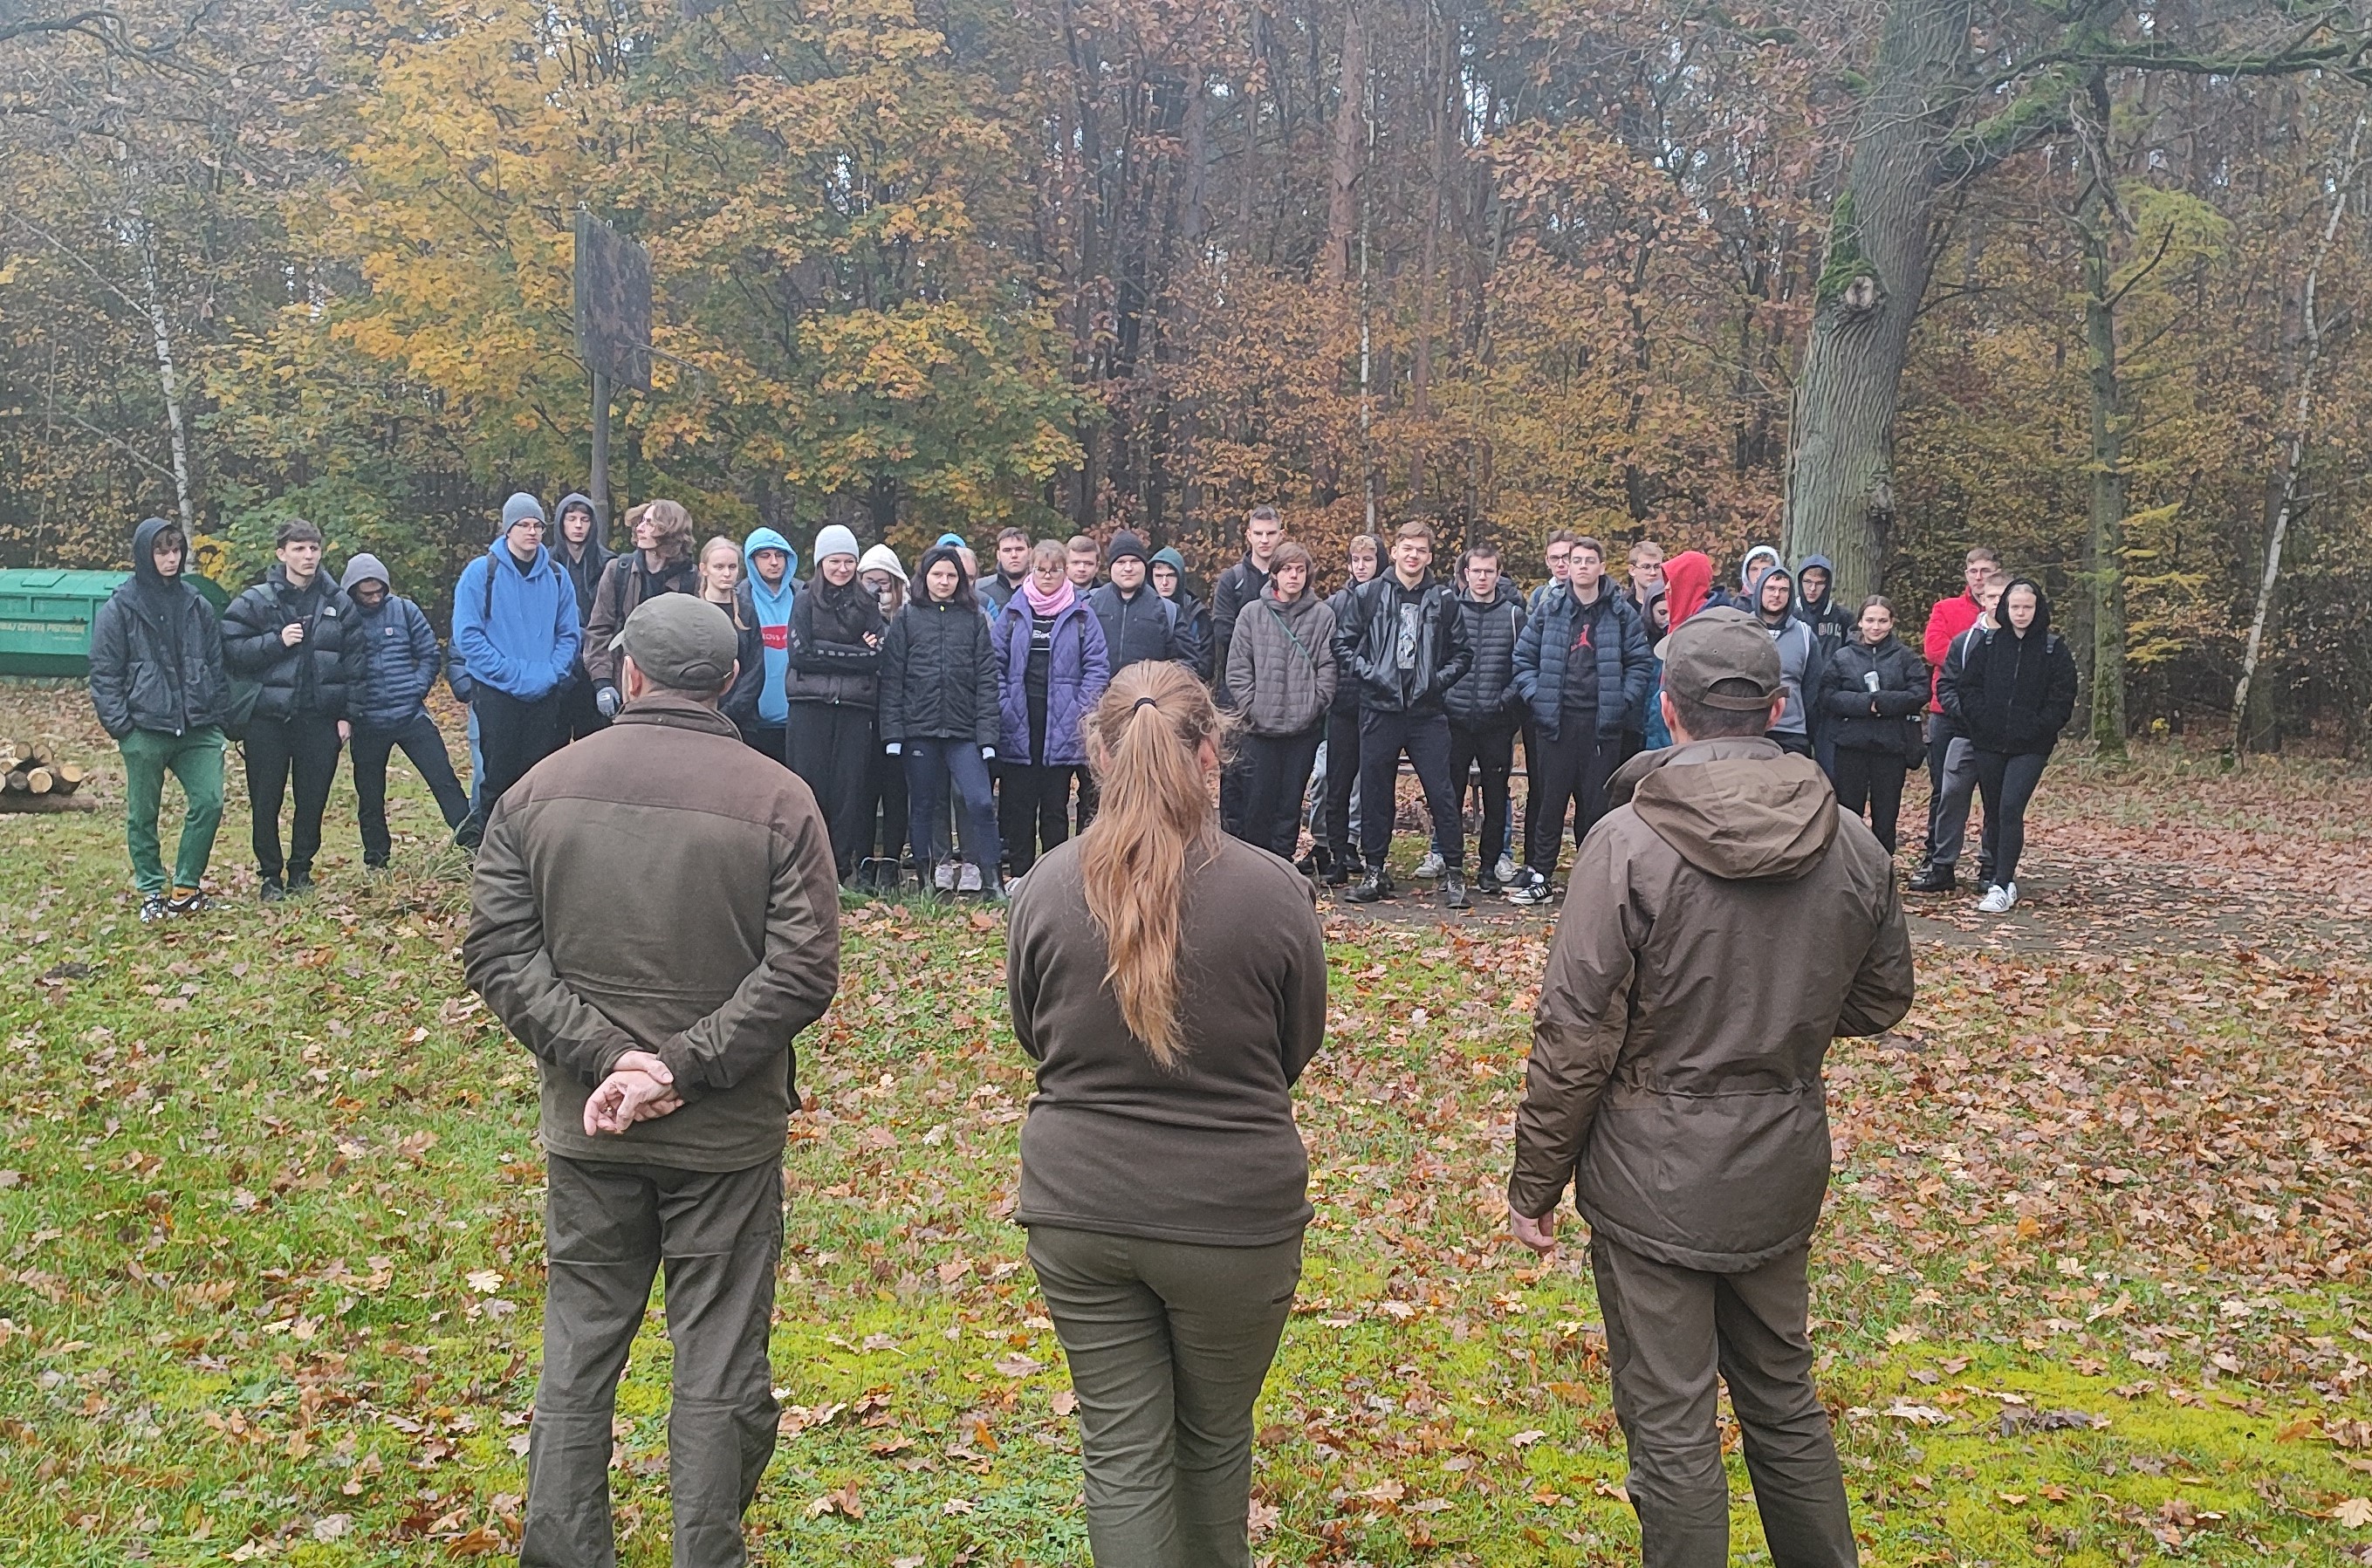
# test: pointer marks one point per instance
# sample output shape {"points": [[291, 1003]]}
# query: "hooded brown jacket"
{"points": [[659, 886], [1725, 922]]}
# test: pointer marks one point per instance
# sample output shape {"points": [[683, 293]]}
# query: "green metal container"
{"points": [[45, 617]]}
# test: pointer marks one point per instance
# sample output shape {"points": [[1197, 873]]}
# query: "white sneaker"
{"points": [[943, 877], [968, 879], [1430, 867], [1504, 872], [1997, 900]]}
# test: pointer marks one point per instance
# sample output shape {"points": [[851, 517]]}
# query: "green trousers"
{"points": [[1668, 1331], [608, 1230], [1169, 1345], [196, 759]]}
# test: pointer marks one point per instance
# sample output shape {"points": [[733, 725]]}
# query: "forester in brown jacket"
{"points": [[1723, 923], [655, 917]]}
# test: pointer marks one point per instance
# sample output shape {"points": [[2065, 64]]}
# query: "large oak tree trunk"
{"points": [[1840, 464]]}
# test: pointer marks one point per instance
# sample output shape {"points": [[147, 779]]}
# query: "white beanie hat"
{"points": [[834, 541], [881, 558]]}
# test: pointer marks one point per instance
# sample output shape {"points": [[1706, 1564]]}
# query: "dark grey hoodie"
{"points": [[584, 571]]}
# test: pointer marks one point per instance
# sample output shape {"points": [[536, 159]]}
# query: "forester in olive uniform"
{"points": [[1733, 923], [656, 918]]}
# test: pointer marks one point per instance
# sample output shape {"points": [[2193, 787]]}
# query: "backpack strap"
{"points": [[1286, 627]]}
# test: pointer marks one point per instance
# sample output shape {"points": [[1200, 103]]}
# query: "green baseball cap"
{"points": [[679, 642]]}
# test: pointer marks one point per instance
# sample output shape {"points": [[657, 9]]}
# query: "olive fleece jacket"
{"points": [[1726, 922], [1205, 1154], [659, 886]]}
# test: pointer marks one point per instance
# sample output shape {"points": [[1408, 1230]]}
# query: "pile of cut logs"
{"points": [[28, 768]]}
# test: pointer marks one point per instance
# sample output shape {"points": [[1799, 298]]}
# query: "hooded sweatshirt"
{"points": [[773, 609], [515, 627], [155, 650], [1799, 654], [2015, 693], [1830, 625], [1688, 583], [1759, 559], [1737, 922], [585, 570]]}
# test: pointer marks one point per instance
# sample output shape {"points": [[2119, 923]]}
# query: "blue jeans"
{"points": [[930, 764]]}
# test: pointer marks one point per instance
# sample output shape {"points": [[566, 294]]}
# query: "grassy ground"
{"points": [[2092, 1286]]}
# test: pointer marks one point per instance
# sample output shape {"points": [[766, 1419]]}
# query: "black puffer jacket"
{"points": [[1857, 717], [825, 667], [1347, 685], [1484, 697], [310, 680], [1367, 645], [938, 675], [156, 651]]}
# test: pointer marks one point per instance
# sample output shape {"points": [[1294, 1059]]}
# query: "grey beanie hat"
{"points": [[519, 509]]}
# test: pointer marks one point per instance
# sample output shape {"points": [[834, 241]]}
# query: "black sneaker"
{"points": [[300, 881], [1340, 874], [1534, 890], [1453, 892], [371, 863], [1934, 879], [1369, 890], [273, 890], [1490, 886], [468, 836], [153, 909], [191, 903]]}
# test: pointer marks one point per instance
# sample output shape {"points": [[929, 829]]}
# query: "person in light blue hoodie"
{"points": [[515, 627], [769, 589]]}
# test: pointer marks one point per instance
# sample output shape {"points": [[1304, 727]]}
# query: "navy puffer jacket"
{"points": [[1626, 661], [401, 662]]}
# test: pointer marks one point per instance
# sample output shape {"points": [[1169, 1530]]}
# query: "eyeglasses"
{"points": [[535, 523]]}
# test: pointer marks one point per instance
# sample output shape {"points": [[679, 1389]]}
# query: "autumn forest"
{"points": [[1875, 278]]}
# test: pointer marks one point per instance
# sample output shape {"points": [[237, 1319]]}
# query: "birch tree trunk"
{"points": [[1839, 496], [2294, 440], [167, 378]]}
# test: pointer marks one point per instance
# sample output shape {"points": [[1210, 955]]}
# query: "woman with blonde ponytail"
{"points": [[1171, 983]]}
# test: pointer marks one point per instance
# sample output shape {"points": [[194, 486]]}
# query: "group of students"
{"points": [[936, 715], [1452, 677]]}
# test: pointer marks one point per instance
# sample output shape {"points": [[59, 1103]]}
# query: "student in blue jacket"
{"points": [[389, 703], [514, 628]]}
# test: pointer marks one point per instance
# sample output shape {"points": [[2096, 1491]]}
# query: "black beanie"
{"points": [[1124, 543]]}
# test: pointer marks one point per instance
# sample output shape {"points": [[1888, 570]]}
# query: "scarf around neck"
{"points": [[1048, 604]]}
